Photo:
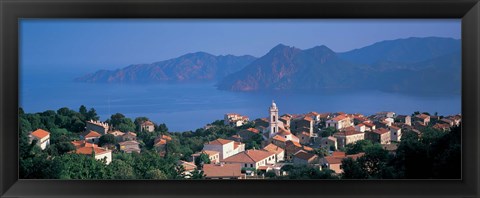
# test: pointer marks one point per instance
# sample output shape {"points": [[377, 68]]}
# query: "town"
{"points": [[263, 148]]}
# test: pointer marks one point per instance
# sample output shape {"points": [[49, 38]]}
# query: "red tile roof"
{"points": [[130, 134], [249, 156], [166, 137], [148, 123], [210, 153], [219, 141], [422, 116], [339, 154], [284, 132], [273, 148], [254, 130], [40, 133], [78, 143], [222, 170], [304, 155], [236, 145], [381, 131], [394, 127], [356, 156], [279, 138], [333, 160], [92, 134], [188, 166], [160, 142], [307, 148], [337, 158], [90, 150], [307, 118], [264, 168], [368, 124], [340, 117]]}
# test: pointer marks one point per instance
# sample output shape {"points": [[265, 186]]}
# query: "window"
{"points": [[251, 165], [245, 165]]}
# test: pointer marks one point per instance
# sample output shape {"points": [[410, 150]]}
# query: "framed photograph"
{"points": [[221, 98]]}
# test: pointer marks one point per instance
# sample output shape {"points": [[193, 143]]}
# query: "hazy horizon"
{"points": [[93, 44]]}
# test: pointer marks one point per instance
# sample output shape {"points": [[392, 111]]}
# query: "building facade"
{"points": [[97, 126]]}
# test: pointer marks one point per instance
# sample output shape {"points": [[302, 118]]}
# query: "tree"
{"points": [[37, 166], [139, 121], [374, 161], [83, 110], [446, 155], [107, 139], [287, 168], [306, 172], [92, 115], [201, 160], [358, 146], [198, 174], [75, 166], [162, 128], [119, 169], [116, 119], [411, 158], [155, 174], [254, 142], [122, 123], [352, 170], [248, 125], [270, 174], [328, 132], [218, 123], [320, 152]]}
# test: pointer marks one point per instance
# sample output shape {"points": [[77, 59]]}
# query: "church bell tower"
{"points": [[273, 119]]}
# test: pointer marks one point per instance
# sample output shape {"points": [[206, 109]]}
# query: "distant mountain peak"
{"points": [[321, 48], [283, 50], [403, 50]]}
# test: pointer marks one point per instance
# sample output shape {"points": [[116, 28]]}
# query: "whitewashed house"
{"points": [[42, 137], [339, 122], [226, 148]]}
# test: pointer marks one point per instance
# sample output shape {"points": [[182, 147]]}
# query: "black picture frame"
{"points": [[13, 10]]}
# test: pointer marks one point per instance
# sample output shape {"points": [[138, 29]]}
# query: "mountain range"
{"points": [[199, 66], [417, 65]]}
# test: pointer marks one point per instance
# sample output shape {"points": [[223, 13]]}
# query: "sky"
{"points": [[93, 44]]}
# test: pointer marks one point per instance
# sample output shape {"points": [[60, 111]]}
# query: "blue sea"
{"points": [[185, 107]]}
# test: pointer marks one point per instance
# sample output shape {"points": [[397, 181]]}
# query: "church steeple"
{"points": [[273, 119]]}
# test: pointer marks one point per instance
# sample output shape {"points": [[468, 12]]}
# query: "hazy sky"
{"points": [[89, 45]]}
